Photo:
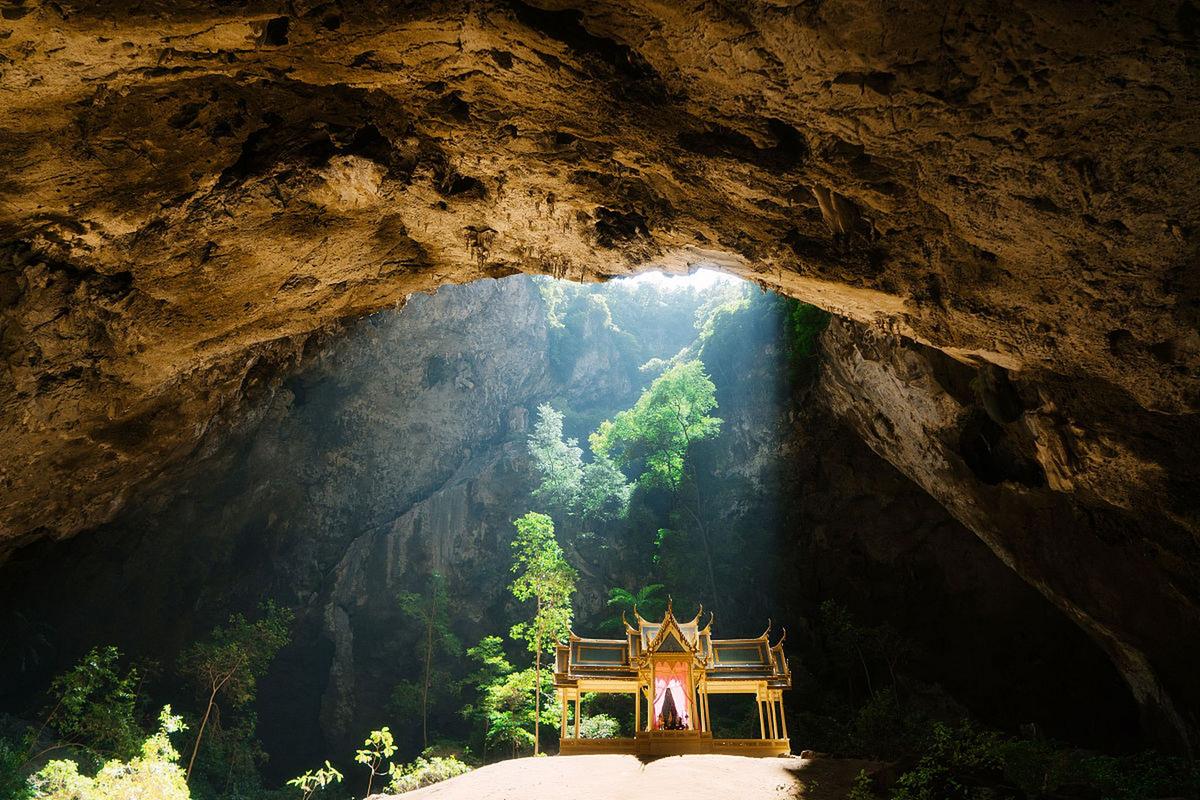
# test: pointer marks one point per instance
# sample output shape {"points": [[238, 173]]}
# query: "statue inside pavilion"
{"points": [[672, 668]]}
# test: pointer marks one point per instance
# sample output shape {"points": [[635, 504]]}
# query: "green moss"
{"points": [[805, 324]]}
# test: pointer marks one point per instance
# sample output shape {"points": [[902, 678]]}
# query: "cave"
{"points": [[289, 291]]}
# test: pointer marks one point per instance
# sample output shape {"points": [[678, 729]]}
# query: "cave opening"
{"points": [[389, 465]]}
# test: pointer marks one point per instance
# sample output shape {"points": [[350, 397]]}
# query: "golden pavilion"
{"points": [[671, 668]]}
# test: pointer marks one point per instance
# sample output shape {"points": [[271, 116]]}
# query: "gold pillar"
{"points": [[637, 709], [694, 716], [562, 729], [782, 718], [762, 725], [707, 710], [576, 715], [774, 723]]}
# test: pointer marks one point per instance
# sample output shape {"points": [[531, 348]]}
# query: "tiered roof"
{"points": [[753, 659]]}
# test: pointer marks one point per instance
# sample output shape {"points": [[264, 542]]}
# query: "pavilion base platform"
{"points": [[674, 743]]}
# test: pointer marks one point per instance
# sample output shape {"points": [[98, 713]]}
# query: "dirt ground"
{"points": [[613, 777]]}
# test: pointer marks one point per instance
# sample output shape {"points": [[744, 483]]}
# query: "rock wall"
{"points": [[192, 192], [1064, 481], [398, 449], [192, 187]]}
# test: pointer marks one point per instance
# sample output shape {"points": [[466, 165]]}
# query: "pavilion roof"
{"points": [[721, 659]]}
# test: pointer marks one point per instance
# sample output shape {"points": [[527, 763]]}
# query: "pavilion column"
{"points": [[576, 715], [762, 725], [771, 712], [562, 729], [782, 717], [707, 711], [637, 710]]}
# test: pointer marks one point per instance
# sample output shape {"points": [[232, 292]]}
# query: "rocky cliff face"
{"points": [[1046, 473], [399, 450], [193, 191]]}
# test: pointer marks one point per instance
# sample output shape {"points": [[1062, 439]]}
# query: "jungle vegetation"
{"points": [[638, 491]]}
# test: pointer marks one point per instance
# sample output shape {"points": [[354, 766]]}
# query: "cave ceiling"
{"points": [[194, 194]]}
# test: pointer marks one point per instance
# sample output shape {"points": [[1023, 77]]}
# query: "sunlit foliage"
{"points": [[376, 750], [228, 664], [654, 436], [570, 489], [545, 577], [432, 611], [154, 774], [314, 781], [646, 601], [425, 772], [95, 705]]}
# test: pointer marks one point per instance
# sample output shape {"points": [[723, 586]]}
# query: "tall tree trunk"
{"points": [[698, 515], [428, 665], [537, 681], [200, 733]]}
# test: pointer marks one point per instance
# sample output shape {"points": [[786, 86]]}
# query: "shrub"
{"points": [[312, 782], [153, 774], [599, 726], [95, 704], [1138, 777], [862, 788], [959, 763], [376, 750], [13, 783], [805, 326], [424, 772]]}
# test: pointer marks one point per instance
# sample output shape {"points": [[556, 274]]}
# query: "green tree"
{"points": [[153, 773], [494, 667], [376, 750], [95, 705], [655, 437], [229, 663], [574, 491], [512, 707], [646, 601], [604, 491], [559, 462], [312, 782], [545, 577], [432, 610]]}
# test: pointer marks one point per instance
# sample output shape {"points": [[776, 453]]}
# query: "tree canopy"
{"points": [[666, 421], [544, 576], [586, 493]]}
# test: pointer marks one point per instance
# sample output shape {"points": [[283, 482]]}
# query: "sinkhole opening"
{"points": [[636, 492]]}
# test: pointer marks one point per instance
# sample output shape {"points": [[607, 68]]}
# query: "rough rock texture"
{"points": [[399, 450], [190, 191], [1065, 482]]}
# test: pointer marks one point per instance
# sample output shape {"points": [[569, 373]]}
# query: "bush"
{"points": [[155, 774], [959, 763], [95, 704], [424, 772], [863, 787], [599, 726], [966, 763], [1143, 775], [13, 783], [805, 325]]}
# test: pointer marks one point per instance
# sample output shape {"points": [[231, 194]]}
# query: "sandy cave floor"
{"points": [[619, 777]]}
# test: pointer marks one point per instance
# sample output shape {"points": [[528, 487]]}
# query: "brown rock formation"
{"points": [[191, 191]]}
